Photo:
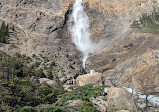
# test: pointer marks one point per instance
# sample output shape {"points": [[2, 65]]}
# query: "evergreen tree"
{"points": [[13, 28], [4, 33]]}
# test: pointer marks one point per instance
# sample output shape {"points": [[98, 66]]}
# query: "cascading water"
{"points": [[84, 61], [80, 30], [81, 33]]}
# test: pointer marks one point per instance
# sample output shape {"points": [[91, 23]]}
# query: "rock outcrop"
{"points": [[49, 82], [43, 26], [120, 99], [94, 78], [123, 111], [72, 103], [130, 62], [100, 104]]}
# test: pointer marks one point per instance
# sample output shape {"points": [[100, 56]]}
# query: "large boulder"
{"points": [[123, 111], [49, 82], [71, 103], [94, 78], [119, 98], [99, 103]]}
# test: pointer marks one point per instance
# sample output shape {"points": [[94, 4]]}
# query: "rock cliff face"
{"points": [[42, 28]]}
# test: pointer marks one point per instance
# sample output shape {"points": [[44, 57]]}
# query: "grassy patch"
{"points": [[83, 93], [84, 106], [147, 23], [115, 108], [151, 29]]}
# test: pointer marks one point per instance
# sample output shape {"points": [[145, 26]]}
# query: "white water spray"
{"points": [[81, 34], [84, 61], [80, 30]]}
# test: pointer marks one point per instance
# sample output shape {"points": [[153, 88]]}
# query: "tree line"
{"points": [[147, 20]]}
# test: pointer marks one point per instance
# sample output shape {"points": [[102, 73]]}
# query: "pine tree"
{"points": [[4, 33], [13, 28]]}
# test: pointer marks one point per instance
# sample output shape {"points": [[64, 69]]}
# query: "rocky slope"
{"points": [[129, 58], [42, 28]]}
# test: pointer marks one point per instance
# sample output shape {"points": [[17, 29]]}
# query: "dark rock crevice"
{"points": [[67, 14]]}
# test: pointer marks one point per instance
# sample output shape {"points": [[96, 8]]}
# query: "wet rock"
{"points": [[141, 105]]}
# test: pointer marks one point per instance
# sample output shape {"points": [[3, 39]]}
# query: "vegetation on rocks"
{"points": [[84, 106], [41, 109], [147, 23], [17, 87], [83, 93], [22, 92]]}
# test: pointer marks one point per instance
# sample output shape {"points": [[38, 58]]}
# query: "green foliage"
{"points": [[151, 29], [41, 109], [16, 87], [51, 109], [38, 72], [26, 109], [82, 93], [34, 56], [19, 65], [13, 28], [115, 108], [4, 33], [147, 23], [82, 107], [86, 107], [105, 98], [49, 73], [22, 92]]}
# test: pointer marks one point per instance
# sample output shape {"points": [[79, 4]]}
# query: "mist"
{"points": [[80, 32]]}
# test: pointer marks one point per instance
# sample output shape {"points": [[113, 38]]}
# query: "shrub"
{"points": [[22, 92], [41, 109], [115, 108], [26, 109], [51, 109], [13, 46], [82, 93], [86, 107]]}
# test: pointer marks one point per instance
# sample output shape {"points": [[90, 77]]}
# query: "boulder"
{"points": [[99, 103], [123, 111], [119, 98], [71, 103], [94, 78], [49, 82], [63, 79]]}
